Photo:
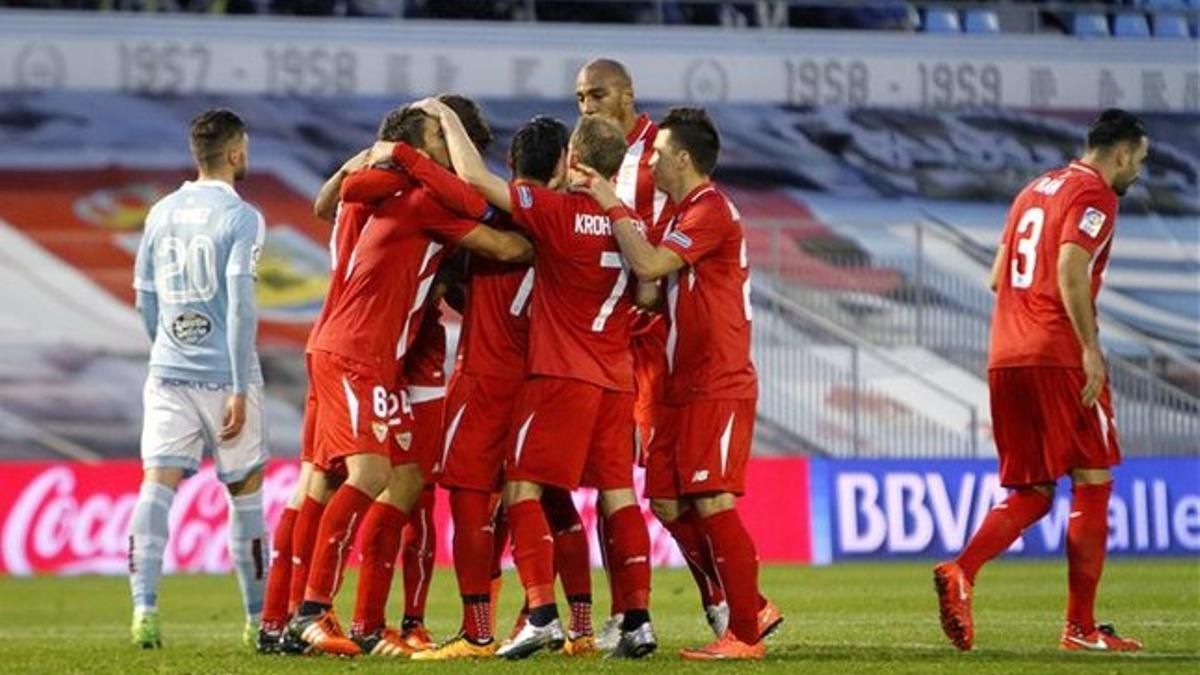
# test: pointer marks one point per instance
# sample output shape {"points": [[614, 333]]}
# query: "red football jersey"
{"points": [[425, 362], [353, 210], [1030, 326], [387, 280], [495, 328], [579, 313], [635, 179], [708, 343]]}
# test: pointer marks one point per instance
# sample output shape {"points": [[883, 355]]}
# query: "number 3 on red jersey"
{"points": [[1029, 231]]}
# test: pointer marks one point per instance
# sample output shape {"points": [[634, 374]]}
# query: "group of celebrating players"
{"points": [[605, 297]]}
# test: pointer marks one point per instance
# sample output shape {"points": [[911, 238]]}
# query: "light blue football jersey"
{"points": [[196, 241]]}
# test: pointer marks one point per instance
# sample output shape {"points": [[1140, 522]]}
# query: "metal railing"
{"points": [[846, 397], [907, 301]]}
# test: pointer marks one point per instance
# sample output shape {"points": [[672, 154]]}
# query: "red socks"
{"points": [[420, 545], [737, 567], [571, 559], [275, 601], [473, 550], [689, 536], [1003, 524], [533, 551], [628, 544], [1087, 539], [334, 537], [382, 528], [304, 539]]}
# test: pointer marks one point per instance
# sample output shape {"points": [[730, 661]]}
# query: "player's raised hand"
{"points": [[1095, 372], [358, 161], [432, 106], [380, 153], [235, 416], [587, 180]]}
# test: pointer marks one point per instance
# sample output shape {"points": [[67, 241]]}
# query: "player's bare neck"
{"points": [[223, 176], [1102, 163], [688, 182]]}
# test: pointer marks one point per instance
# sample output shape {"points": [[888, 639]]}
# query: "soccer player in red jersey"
{"points": [[1052, 412], [483, 390], [575, 411], [356, 368], [604, 87], [698, 457]]}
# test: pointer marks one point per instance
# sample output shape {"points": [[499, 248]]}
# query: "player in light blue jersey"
{"points": [[194, 276]]}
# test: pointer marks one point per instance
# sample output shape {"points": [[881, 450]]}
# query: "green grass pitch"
{"points": [[866, 617]]}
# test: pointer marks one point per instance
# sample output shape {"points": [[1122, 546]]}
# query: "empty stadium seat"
{"points": [[1131, 25], [1170, 25], [941, 20], [1089, 25], [982, 21], [1167, 4]]}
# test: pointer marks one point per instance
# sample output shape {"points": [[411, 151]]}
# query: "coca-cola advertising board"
{"points": [[73, 518]]}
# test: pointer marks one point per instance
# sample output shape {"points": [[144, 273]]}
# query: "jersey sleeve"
{"points": [[143, 262], [247, 231], [536, 209], [453, 192], [1089, 219], [371, 185], [441, 223], [699, 232]]}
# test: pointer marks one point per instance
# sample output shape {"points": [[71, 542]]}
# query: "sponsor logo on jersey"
{"points": [[191, 328], [1092, 221], [681, 239], [524, 196]]}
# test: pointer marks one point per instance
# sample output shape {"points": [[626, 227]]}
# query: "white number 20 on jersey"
{"points": [[186, 269], [1029, 232]]}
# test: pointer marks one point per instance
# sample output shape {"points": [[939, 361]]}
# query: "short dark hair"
{"points": [[600, 144], [537, 146], [472, 120], [1114, 126], [404, 124], [693, 131], [211, 132]]}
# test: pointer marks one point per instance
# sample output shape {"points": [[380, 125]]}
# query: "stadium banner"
{"points": [[899, 509], [73, 518], [348, 57]]}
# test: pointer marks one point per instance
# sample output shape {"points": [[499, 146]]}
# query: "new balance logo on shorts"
{"points": [[700, 476]]}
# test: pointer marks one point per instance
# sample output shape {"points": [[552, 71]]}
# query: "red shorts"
{"points": [[649, 370], [308, 435], [701, 447], [356, 413], [426, 443], [477, 421], [1042, 431], [569, 432]]}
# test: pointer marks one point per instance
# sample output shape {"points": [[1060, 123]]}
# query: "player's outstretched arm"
{"points": [[501, 245], [325, 205], [1075, 287], [450, 190], [650, 263]]}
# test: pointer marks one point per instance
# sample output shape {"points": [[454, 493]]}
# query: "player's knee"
{"points": [[369, 473], [1090, 476], [519, 491], [247, 486], [405, 486], [711, 505], [666, 510], [169, 476], [612, 501]]}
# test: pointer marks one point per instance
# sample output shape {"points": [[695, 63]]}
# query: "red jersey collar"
{"points": [[640, 126], [695, 194], [1084, 166]]}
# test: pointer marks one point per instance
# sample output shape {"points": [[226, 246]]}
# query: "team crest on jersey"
{"points": [[680, 238], [525, 196], [380, 429], [1092, 221], [191, 328], [403, 439]]}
